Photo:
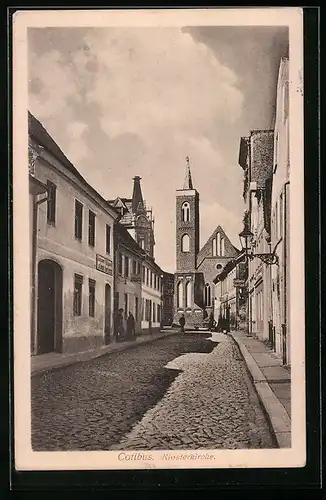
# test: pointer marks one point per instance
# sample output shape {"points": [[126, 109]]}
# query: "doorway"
{"points": [[49, 307], [107, 313]]}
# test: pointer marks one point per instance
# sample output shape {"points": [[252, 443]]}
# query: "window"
{"points": [[222, 247], [151, 279], [126, 266], [188, 294], [147, 276], [138, 268], [108, 239], [180, 294], [218, 244], [136, 308], [141, 243], [51, 203], [185, 243], [158, 313], [91, 297], [207, 295], [91, 228], [214, 252], [144, 270], [120, 264], [185, 212], [154, 310], [78, 290], [78, 220], [126, 305], [134, 266]]}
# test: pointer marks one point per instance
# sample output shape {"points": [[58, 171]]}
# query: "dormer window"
{"points": [[185, 212]]}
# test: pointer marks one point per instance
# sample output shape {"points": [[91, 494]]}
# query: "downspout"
{"points": [[36, 204], [285, 261]]}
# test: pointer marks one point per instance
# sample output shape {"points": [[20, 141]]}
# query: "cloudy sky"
{"points": [[122, 102]]}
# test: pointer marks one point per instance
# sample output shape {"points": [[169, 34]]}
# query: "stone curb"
{"points": [[278, 419], [97, 353]]}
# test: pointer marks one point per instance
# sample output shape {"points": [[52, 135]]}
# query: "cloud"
{"points": [[127, 102]]}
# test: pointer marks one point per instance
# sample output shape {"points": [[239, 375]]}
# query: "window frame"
{"points": [[51, 203], [80, 205], [78, 294], [91, 297], [108, 239], [182, 243], [91, 228]]}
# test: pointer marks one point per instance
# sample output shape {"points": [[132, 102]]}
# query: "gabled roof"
{"points": [[37, 132], [124, 237], [206, 250]]}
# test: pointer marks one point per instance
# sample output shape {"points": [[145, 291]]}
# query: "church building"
{"points": [[196, 268], [137, 218]]}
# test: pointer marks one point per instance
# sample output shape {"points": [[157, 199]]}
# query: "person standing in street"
{"points": [[182, 323], [119, 328], [131, 334]]}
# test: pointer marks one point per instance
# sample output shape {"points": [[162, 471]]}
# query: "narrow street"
{"points": [[188, 391]]}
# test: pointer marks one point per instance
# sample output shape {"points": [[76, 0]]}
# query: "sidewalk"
{"points": [[54, 360], [272, 382]]}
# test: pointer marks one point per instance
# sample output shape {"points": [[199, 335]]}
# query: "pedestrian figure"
{"points": [[119, 328], [211, 322], [130, 326], [182, 323]]}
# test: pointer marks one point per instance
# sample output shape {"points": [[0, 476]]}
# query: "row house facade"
{"points": [[168, 294], [280, 215], [264, 158], [72, 230], [230, 299], [138, 283], [256, 159]]}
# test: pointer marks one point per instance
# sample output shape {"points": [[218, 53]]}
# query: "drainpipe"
{"points": [[36, 204], [285, 305]]}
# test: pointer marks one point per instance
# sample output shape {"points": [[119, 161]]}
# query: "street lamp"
{"points": [[246, 237]]}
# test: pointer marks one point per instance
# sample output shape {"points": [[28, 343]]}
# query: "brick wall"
{"points": [[186, 261]]}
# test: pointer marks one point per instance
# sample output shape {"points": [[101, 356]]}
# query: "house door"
{"points": [[107, 314], [49, 307]]}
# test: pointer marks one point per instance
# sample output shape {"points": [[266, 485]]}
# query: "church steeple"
{"points": [[137, 197], [188, 180]]}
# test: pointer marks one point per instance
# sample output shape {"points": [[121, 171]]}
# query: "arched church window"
{"points": [[208, 300], [180, 294], [222, 247], [214, 252], [185, 243], [185, 211], [188, 294], [218, 244]]}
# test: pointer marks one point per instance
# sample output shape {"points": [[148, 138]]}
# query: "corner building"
{"points": [[196, 269]]}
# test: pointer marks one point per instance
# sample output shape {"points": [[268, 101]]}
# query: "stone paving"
{"points": [[185, 391], [210, 405], [92, 405]]}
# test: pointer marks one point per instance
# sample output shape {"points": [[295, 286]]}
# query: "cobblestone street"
{"points": [[181, 392]]}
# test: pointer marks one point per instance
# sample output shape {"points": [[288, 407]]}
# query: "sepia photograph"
{"points": [[158, 190]]}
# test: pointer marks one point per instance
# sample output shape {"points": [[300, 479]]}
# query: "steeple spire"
{"points": [[137, 197], [188, 180]]}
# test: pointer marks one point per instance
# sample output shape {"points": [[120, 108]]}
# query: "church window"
{"points": [[188, 294], [185, 211], [185, 243], [180, 294], [218, 244], [222, 247], [214, 252], [208, 300]]}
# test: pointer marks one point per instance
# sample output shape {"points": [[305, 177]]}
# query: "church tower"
{"points": [[187, 224], [186, 279]]}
